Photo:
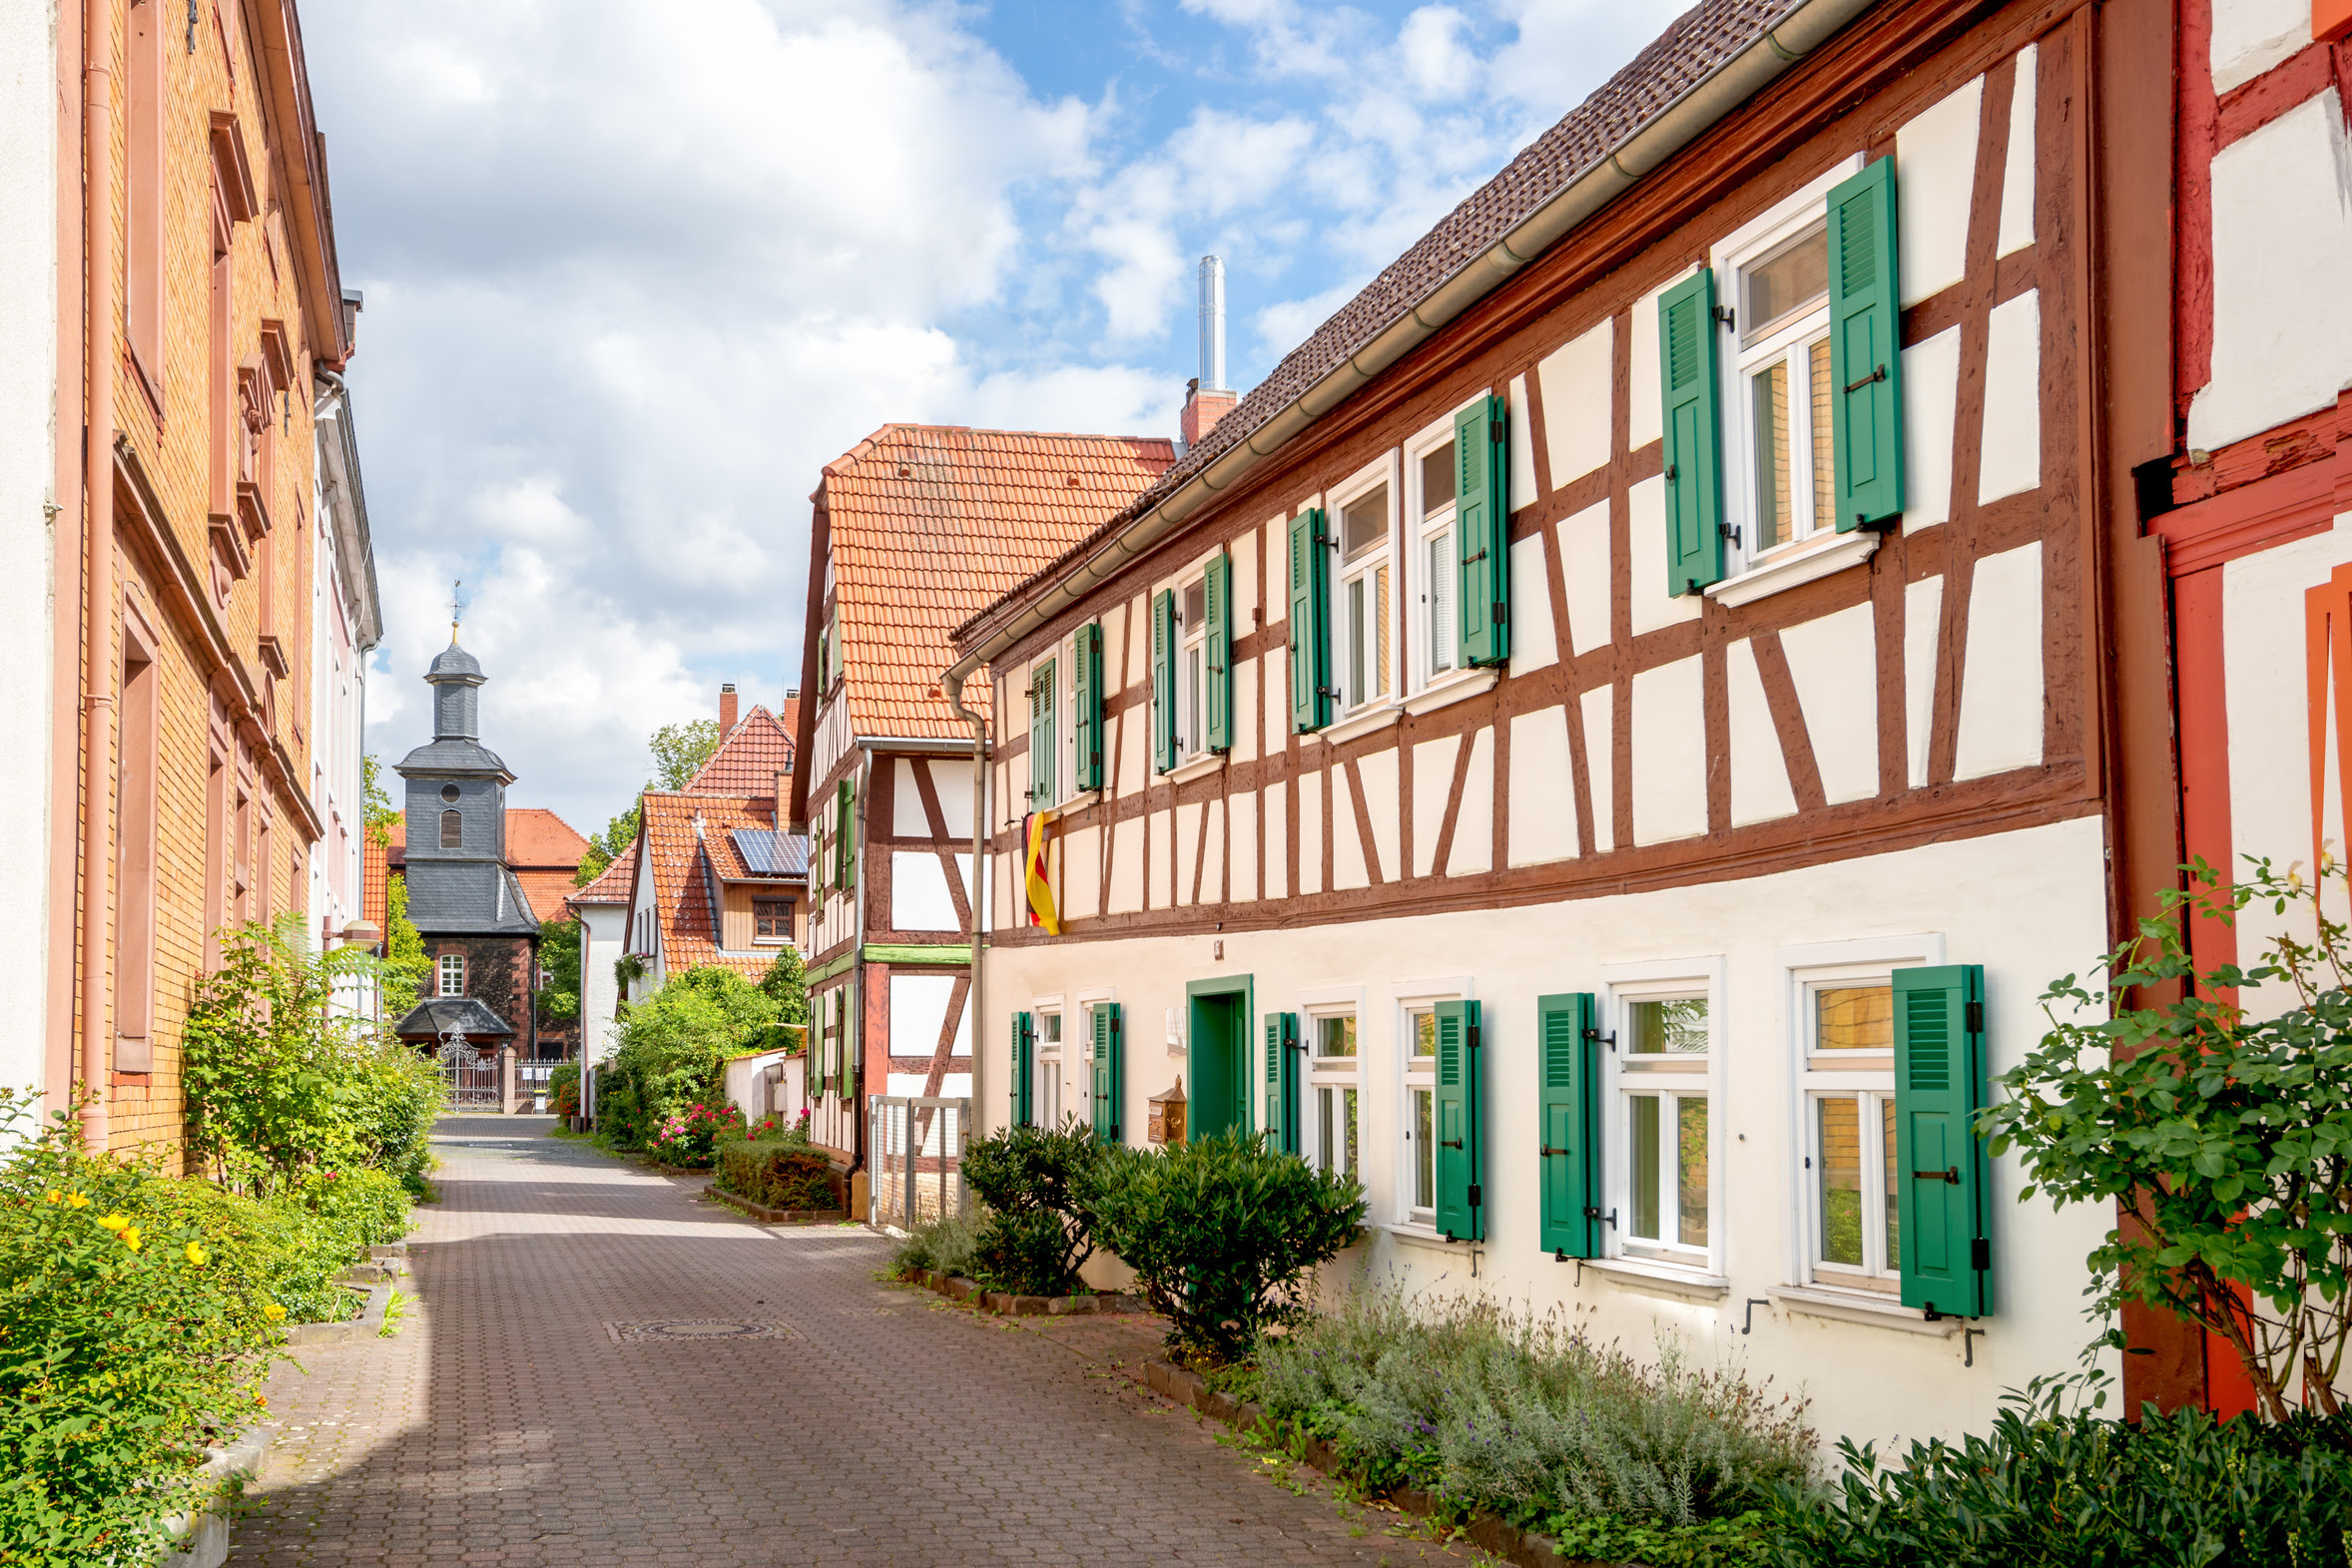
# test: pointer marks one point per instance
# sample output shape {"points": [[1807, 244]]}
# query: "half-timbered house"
{"points": [[1607, 742], [916, 529]]}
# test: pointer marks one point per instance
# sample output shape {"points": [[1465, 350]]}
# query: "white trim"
{"points": [[1644, 980], [1341, 730], [1667, 1276], [1420, 1236], [1860, 1306], [1332, 996], [1074, 802], [1441, 989], [1806, 565], [1453, 686], [1199, 768]]}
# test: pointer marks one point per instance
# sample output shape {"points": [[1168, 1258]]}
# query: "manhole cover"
{"points": [[680, 1331]]}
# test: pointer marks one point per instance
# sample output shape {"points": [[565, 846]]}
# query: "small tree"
{"points": [[674, 1046], [606, 847], [680, 750], [2228, 1137], [406, 965], [1224, 1234], [559, 955], [783, 986], [1038, 1184]]}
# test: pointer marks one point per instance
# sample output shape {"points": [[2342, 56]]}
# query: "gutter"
{"points": [[1805, 29], [99, 665]]}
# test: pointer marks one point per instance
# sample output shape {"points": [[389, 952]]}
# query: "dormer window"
{"points": [[452, 831]]}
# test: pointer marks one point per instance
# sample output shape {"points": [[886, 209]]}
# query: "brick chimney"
{"points": [[726, 708], [1207, 398]]}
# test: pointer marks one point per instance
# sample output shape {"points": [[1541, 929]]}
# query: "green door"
{"points": [[1219, 1066]]}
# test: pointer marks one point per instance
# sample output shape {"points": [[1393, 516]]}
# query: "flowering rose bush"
{"points": [[690, 1138]]}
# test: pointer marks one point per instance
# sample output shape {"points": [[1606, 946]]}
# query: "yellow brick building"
{"points": [[199, 308]]}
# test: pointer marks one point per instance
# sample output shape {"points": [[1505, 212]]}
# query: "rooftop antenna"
{"points": [[456, 608], [1212, 324]]}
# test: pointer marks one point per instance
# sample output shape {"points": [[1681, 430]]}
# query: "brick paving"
{"points": [[504, 1424]]}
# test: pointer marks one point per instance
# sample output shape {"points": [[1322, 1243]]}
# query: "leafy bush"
{"points": [[785, 984], [293, 1244], [394, 1095], [780, 1171], [1036, 1183], [1527, 1419], [673, 1051], [1223, 1234], [129, 1338], [942, 1245], [564, 1084], [2228, 1134], [689, 1139], [2072, 1490]]}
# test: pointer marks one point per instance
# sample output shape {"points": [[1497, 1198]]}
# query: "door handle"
{"points": [[1449, 1142], [1951, 1175]]}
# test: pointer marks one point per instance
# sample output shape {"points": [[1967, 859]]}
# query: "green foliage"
{"points": [[1741, 1541], [279, 1086], [2229, 1135], [406, 966], [129, 1337], [1528, 1418], [1037, 1186], [563, 1088], [691, 1138], [777, 1170], [1224, 1235], [680, 750], [606, 847], [376, 805], [784, 985], [559, 955], [673, 1051], [942, 1245], [2070, 1491]]}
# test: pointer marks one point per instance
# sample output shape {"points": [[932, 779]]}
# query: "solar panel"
{"points": [[768, 853]]}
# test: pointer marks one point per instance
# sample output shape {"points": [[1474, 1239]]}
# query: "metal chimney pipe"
{"points": [[1212, 324]]}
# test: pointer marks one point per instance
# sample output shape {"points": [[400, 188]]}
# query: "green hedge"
{"points": [[785, 1172]]}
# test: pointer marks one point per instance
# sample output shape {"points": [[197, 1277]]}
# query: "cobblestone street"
{"points": [[515, 1419]]}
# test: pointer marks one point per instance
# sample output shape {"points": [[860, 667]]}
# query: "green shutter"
{"points": [[1694, 434], [1217, 591], [1462, 1214], [1163, 680], [1042, 742], [1309, 624], [1109, 1072], [1086, 689], [845, 836], [1567, 1098], [1865, 349], [1941, 1195], [1482, 532], [1024, 1066], [1281, 1081]]}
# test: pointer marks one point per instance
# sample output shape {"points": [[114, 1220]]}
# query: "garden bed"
{"points": [[957, 1288], [767, 1216]]}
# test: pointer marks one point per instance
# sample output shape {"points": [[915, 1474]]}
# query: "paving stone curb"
{"points": [[957, 1288], [1490, 1532], [205, 1536], [775, 1215], [351, 1331]]}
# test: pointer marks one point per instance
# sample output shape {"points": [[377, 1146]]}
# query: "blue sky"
{"points": [[636, 271]]}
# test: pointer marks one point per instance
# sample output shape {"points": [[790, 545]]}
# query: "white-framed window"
{"points": [[1361, 519], [1429, 465], [1334, 1093], [1773, 278], [452, 973], [1418, 1169], [1048, 1090], [1192, 668], [1662, 1070]]}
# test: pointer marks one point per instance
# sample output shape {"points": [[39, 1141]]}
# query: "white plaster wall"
{"points": [[1669, 753], [1213, 855], [1377, 773], [1522, 444], [1474, 825], [1126, 869], [2251, 36], [1542, 789], [1243, 811], [1760, 788], [2011, 461], [1309, 833], [1934, 179], [1643, 409], [1930, 399], [28, 430], [918, 1010], [1833, 663], [2000, 676], [2262, 661], [1433, 787], [2026, 904], [919, 899], [1585, 563], [952, 779], [907, 818], [1923, 630], [1600, 764], [1081, 860], [2016, 170], [2283, 276], [1532, 645], [1277, 858], [1577, 380], [1247, 715], [1346, 841], [1158, 863], [1188, 827], [1653, 607], [602, 930]]}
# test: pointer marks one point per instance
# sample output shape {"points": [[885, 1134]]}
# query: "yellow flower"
{"points": [[131, 1238], [274, 1311], [115, 1221], [77, 1201], [55, 1196], [196, 1254]]}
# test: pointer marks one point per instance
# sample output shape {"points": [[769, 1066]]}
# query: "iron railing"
{"points": [[915, 1158]]}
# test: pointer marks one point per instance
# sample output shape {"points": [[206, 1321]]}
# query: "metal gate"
{"points": [[471, 1078], [915, 1158]]}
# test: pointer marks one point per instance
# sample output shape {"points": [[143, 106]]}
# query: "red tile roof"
{"points": [[615, 885], [688, 862], [747, 761], [931, 523], [536, 837]]}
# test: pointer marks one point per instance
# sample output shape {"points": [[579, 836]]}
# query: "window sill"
{"points": [[1423, 1236], [1759, 582], [1199, 768], [1075, 802], [1356, 724], [1641, 1273], [1860, 1306], [1453, 689]]}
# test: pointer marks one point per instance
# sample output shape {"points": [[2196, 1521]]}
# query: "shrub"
{"points": [[673, 1051], [1036, 1183], [781, 1171], [564, 1084], [2072, 1490], [942, 1245], [689, 1139], [1224, 1235], [1528, 1418], [129, 1338], [396, 1094]]}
